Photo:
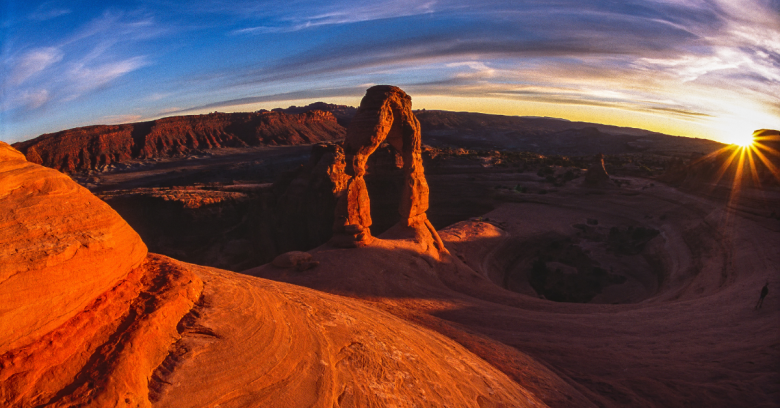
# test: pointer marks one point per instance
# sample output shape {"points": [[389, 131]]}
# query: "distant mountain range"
{"points": [[551, 136], [93, 147]]}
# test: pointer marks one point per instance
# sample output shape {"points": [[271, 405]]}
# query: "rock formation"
{"points": [[94, 147], [86, 314], [300, 261], [343, 113], [53, 248], [597, 175], [89, 318], [385, 114]]}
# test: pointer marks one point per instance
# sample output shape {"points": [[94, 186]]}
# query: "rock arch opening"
{"points": [[384, 182]]}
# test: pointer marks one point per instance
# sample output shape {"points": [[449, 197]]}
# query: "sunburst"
{"points": [[743, 140], [749, 157]]}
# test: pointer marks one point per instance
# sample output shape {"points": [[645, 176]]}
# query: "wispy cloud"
{"points": [[49, 10], [678, 51], [33, 62], [286, 96], [689, 60], [27, 99], [82, 78], [86, 61], [333, 13]]}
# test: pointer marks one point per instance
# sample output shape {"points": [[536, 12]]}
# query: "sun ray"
{"points": [[714, 154], [726, 164], [768, 163], [759, 144], [736, 184], [753, 169]]}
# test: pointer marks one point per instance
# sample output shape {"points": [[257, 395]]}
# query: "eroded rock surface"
{"points": [[61, 248], [86, 314], [165, 333]]}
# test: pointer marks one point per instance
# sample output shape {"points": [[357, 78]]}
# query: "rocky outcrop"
{"points": [[304, 201], [90, 320], [297, 260], [87, 315], [385, 114], [597, 175], [94, 147], [57, 255], [343, 113]]}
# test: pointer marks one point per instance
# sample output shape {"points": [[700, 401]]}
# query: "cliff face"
{"points": [[225, 229], [343, 113], [93, 147]]}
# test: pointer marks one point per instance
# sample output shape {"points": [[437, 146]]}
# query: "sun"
{"points": [[742, 139]]}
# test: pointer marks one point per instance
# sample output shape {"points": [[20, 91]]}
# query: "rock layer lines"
{"points": [[86, 315], [62, 247]]}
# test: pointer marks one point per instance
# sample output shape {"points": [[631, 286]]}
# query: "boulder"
{"points": [[597, 175], [297, 260]]}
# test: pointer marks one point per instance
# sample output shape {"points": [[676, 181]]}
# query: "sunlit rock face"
{"points": [[89, 319], [61, 248], [385, 115], [95, 147], [86, 315]]}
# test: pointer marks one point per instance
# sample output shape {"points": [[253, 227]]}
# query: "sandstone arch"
{"points": [[385, 115]]}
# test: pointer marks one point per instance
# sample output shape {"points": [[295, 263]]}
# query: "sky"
{"points": [[698, 68]]}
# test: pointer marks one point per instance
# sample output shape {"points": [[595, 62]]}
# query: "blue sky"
{"points": [[703, 68]]}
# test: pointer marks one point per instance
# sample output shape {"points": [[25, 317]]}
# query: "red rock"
{"points": [[170, 334], [385, 115], [298, 260], [8, 153], [62, 247], [86, 315], [93, 147]]}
